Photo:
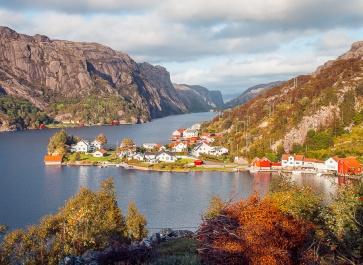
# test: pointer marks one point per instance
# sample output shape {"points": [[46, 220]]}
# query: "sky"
{"points": [[227, 45]]}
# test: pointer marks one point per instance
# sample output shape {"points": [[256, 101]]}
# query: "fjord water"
{"points": [[30, 190]]}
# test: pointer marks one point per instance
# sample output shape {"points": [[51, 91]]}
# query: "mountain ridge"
{"points": [[328, 102], [56, 76], [198, 98], [251, 93]]}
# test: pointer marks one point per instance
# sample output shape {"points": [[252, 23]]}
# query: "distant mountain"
{"points": [[198, 98], [313, 114], [44, 80], [251, 93]]}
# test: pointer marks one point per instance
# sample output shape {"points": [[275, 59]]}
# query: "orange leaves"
{"points": [[253, 232]]}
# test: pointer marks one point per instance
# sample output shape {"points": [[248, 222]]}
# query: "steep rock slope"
{"points": [[328, 101], [198, 98], [56, 75]]}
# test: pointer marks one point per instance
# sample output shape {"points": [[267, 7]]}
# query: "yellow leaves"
{"points": [[135, 223]]}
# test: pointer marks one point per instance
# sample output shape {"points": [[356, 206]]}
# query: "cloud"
{"points": [[79, 6], [228, 44]]}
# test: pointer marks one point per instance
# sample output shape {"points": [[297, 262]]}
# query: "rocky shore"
{"points": [[135, 253]]}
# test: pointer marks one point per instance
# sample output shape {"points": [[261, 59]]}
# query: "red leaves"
{"points": [[253, 232]]}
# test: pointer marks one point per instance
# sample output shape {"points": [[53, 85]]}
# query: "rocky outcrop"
{"points": [[198, 98], [42, 71], [321, 119]]}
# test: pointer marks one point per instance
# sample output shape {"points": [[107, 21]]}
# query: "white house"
{"points": [[150, 156], [188, 133], [83, 146], [96, 144], [139, 156], [207, 138], [202, 148], [126, 153], [99, 153], [219, 151], [309, 163], [332, 164], [195, 126], [320, 166], [166, 157], [178, 133], [150, 146], [180, 147], [288, 160]]}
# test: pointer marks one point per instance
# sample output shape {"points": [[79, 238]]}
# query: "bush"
{"points": [[254, 232], [89, 220], [215, 207], [135, 223]]}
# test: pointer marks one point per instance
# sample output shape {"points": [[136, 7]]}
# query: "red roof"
{"points": [[351, 162], [50, 158], [102, 151], [285, 156]]}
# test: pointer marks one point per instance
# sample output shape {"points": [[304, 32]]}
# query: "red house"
{"points": [[262, 163], [349, 166], [53, 160]]}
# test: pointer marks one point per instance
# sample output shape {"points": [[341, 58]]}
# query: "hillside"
{"points": [[79, 83], [307, 113], [198, 98], [251, 93]]}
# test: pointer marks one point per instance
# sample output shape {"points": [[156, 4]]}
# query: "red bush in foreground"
{"points": [[254, 232]]}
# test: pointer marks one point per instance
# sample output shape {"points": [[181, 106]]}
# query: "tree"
{"points": [[135, 223], [216, 205], [127, 142], [3, 229], [254, 232], [101, 138], [89, 220], [74, 157], [344, 220], [57, 141]]}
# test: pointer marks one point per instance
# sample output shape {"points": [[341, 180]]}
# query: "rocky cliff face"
{"points": [[198, 98], [45, 71]]}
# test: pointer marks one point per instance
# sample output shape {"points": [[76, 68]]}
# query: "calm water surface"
{"points": [[29, 190]]}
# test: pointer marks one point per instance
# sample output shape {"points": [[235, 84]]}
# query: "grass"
{"points": [[182, 251]]}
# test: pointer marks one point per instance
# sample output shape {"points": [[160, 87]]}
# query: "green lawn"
{"points": [[176, 252]]}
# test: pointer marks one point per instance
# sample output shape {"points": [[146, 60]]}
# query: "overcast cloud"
{"points": [[227, 45]]}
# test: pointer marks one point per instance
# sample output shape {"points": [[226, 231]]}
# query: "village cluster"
{"points": [[185, 143], [341, 166]]}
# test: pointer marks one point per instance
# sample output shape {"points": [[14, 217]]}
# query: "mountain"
{"points": [[312, 113], [251, 93], [78, 82], [198, 98]]}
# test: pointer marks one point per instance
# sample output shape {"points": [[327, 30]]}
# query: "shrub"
{"points": [[135, 223], [215, 207], [254, 232], [89, 220]]}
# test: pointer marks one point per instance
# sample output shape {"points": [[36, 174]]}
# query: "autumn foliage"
{"points": [[255, 232]]}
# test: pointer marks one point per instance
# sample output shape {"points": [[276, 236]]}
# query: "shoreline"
{"points": [[141, 168], [70, 125]]}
